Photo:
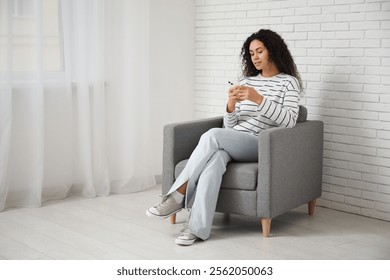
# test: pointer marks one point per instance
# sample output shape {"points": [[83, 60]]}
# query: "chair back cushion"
{"points": [[302, 115]]}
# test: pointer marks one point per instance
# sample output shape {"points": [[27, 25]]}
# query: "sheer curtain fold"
{"points": [[5, 133], [127, 88], [87, 133], [22, 122], [83, 31]]}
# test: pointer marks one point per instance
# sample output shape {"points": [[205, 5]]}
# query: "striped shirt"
{"points": [[279, 107]]}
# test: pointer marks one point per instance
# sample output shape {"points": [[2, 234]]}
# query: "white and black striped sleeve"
{"points": [[231, 119], [284, 114]]}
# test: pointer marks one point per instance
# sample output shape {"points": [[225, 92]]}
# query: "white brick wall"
{"points": [[342, 49]]}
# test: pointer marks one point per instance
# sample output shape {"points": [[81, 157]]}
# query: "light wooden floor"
{"points": [[116, 227]]}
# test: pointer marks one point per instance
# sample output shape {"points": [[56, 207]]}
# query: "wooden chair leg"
{"points": [[311, 206], [266, 226], [172, 219]]}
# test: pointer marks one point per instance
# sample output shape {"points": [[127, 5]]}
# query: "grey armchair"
{"points": [[287, 175]]}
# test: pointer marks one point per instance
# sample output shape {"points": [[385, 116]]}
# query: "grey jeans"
{"points": [[204, 171]]}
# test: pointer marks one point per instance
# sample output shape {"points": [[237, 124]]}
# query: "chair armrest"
{"points": [[290, 167], [180, 139]]}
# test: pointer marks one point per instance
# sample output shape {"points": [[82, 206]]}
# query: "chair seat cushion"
{"points": [[238, 175]]}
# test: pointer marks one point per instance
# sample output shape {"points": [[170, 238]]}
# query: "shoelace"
{"points": [[186, 224], [185, 227], [185, 231], [163, 203]]}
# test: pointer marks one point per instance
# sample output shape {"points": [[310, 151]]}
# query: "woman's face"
{"points": [[259, 55]]}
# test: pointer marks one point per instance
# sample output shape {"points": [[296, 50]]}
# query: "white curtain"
{"points": [[84, 128]]}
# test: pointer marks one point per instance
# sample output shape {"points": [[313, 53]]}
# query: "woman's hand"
{"points": [[233, 99], [241, 93]]}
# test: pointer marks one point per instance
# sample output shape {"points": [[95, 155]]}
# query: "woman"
{"points": [[268, 96]]}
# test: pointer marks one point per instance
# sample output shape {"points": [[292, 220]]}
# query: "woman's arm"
{"points": [[232, 109], [285, 114]]}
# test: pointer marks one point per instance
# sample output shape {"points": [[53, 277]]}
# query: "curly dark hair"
{"points": [[278, 53]]}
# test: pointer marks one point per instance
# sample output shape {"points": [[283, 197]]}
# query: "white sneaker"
{"points": [[186, 238], [166, 208]]}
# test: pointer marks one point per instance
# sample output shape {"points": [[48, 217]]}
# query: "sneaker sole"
{"points": [[185, 242], [150, 214]]}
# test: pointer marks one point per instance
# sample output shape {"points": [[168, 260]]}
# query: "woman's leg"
{"points": [[183, 188], [231, 144], [202, 211], [205, 201], [198, 159]]}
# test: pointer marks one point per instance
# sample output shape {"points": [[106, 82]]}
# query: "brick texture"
{"points": [[342, 49]]}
